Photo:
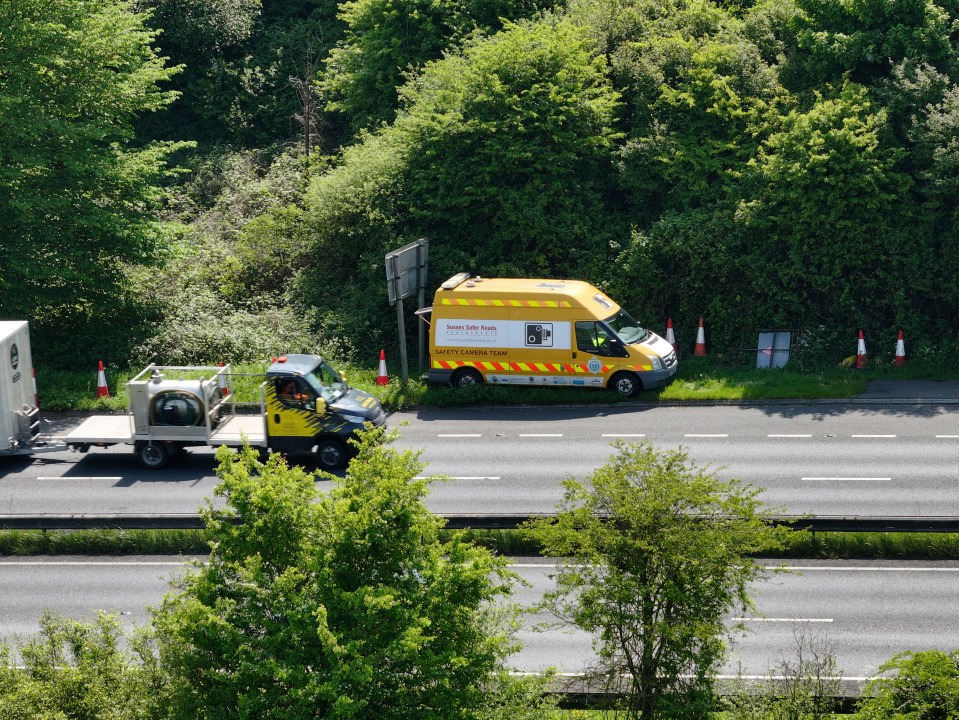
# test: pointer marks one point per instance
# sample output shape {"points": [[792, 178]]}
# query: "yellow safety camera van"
{"points": [[540, 332]]}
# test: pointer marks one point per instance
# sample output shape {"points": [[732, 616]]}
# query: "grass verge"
{"points": [[827, 546], [698, 380]]}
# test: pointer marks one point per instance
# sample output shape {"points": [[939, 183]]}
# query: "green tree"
{"points": [[512, 150], [343, 605], [695, 87], [77, 197], [78, 671], [239, 57], [863, 40], [387, 40], [503, 158], [655, 553], [922, 686], [824, 208]]}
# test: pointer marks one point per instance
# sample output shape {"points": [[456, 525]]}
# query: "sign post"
{"points": [[406, 276]]}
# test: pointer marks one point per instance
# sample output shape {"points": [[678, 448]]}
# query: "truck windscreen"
{"points": [[327, 383], [626, 328]]}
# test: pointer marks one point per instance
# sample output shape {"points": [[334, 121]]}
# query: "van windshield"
{"points": [[327, 383], [626, 328]]}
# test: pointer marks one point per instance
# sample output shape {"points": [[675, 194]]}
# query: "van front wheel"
{"points": [[331, 454], [467, 378], [626, 384]]}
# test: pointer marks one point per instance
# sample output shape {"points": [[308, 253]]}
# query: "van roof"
{"points": [[576, 293]]}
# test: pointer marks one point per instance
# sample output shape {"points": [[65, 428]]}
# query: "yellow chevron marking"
{"points": [[498, 303]]}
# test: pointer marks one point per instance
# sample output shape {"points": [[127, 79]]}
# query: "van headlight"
{"points": [[657, 362]]}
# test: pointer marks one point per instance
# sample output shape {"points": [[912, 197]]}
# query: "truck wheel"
{"points": [[467, 378], [331, 454], [625, 383], [151, 456]]}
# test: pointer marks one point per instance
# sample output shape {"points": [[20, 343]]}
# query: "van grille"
{"points": [[669, 360]]}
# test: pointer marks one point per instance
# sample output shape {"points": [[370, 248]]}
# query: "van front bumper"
{"points": [[653, 379]]}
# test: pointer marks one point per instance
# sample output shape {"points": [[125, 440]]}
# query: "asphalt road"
{"points": [[886, 459], [865, 612]]}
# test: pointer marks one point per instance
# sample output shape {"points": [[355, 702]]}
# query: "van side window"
{"points": [[593, 338], [292, 393]]}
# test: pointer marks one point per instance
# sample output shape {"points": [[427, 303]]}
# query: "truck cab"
{"points": [[311, 408]]}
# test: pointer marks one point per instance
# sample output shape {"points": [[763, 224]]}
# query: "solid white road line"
{"points": [[78, 477], [831, 568], [849, 479], [782, 620], [93, 563], [458, 477]]}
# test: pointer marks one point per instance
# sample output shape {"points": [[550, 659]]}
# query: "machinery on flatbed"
{"points": [[304, 406]]}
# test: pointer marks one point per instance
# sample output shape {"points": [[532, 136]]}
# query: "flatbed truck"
{"points": [[304, 406]]}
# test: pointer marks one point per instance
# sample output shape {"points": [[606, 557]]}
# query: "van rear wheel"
{"points": [[626, 384], [467, 378]]}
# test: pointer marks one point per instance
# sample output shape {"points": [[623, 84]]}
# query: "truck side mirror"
{"points": [[320, 406]]}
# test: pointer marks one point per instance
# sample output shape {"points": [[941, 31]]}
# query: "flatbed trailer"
{"points": [[105, 430], [168, 414]]}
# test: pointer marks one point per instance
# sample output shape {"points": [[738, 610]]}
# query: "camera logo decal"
{"points": [[539, 334]]}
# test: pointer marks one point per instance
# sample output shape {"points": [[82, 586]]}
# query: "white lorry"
{"points": [[304, 406]]}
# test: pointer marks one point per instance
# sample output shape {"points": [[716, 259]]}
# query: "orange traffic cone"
{"points": [[382, 379], [900, 351], [700, 340], [221, 383], [102, 389], [861, 351], [36, 396], [670, 337]]}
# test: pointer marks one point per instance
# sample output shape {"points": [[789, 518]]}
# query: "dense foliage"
{"points": [[915, 686], [654, 555], [336, 605], [78, 194], [73, 670], [771, 163]]}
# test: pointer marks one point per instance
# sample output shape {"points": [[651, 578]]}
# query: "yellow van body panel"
{"points": [[536, 332]]}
